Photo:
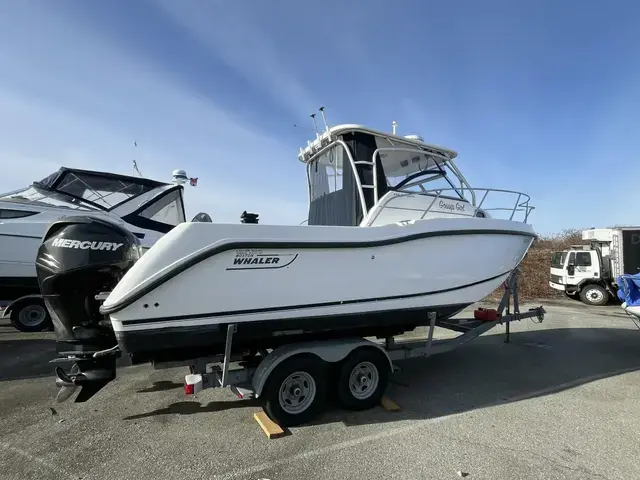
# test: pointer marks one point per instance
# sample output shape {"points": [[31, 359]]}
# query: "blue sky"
{"points": [[541, 97]]}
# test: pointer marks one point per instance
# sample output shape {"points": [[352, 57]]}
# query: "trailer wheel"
{"points": [[295, 392], [594, 295], [362, 379], [30, 315]]}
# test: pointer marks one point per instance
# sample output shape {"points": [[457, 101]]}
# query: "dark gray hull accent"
{"points": [[181, 343]]}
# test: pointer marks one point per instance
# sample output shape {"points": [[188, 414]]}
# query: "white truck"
{"points": [[590, 271]]}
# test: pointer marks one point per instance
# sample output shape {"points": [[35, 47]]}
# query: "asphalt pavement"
{"points": [[560, 401]]}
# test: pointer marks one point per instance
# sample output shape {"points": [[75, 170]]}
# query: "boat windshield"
{"points": [[103, 191], [43, 198], [84, 190], [415, 171]]}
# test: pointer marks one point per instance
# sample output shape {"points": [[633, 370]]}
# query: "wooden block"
{"points": [[269, 427], [389, 405]]}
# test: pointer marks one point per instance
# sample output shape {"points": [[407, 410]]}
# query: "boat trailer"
{"points": [[294, 381]]}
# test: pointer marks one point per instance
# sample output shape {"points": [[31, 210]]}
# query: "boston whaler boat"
{"points": [[384, 251]]}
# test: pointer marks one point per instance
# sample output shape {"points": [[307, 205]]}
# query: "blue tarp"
{"points": [[629, 289]]}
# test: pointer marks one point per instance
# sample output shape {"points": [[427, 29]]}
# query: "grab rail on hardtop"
{"points": [[521, 203]]}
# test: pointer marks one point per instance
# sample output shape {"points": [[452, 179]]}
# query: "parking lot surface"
{"points": [[560, 401]]}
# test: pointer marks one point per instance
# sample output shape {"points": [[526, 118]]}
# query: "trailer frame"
{"points": [[250, 377]]}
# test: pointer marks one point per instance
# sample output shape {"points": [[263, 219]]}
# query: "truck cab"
{"points": [[578, 272], [590, 271]]}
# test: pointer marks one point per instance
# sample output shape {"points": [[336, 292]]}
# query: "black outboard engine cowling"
{"points": [[79, 258]]}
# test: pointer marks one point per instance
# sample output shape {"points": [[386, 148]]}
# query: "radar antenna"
{"points": [[394, 124], [180, 177]]}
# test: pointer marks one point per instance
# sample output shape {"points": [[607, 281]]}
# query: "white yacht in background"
{"points": [[148, 208]]}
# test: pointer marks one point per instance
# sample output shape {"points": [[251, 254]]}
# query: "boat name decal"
{"points": [[253, 259], [460, 207], [86, 244]]}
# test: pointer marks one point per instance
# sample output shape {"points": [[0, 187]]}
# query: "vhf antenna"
{"points": [[135, 164], [324, 119], [315, 125]]}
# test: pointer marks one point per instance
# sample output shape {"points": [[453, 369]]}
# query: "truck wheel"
{"points": [[295, 391], [30, 316], [362, 379], [594, 295]]}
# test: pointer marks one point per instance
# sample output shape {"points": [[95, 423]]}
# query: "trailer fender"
{"points": [[19, 302], [330, 351]]}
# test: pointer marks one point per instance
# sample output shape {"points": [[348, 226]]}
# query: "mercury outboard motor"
{"points": [[78, 260]]}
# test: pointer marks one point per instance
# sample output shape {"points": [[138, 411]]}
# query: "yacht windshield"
{"points": [[103, 191], [416, 171], [44, 198], [83, 190]]}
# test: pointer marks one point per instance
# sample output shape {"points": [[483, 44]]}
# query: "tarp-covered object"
{"points": [[629, 289]]}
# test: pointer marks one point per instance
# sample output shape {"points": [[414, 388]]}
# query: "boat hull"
{"points": [[17, 263], [376, 281]]}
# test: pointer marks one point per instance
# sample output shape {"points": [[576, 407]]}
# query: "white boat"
{"points": [[384, 246], [148, 208]]}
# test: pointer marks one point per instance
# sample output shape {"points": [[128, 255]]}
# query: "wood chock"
{"points": [[270, 428], [389, 405]]}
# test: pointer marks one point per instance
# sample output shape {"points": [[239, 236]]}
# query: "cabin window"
{"points": [[334, 195], [7, 214], [326, 172], [168, 209]]}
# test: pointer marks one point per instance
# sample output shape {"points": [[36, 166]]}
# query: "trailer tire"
{"points": [[362, 379], [594, 295], [30, 315], [296, 391]]}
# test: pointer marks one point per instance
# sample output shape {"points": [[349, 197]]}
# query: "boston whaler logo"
{"points": [[86, 244], [256, 259]]}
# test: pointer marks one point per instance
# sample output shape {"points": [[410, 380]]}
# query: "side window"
{"points": [[333, 166], [6, 214], [168, 209], [326, 172], [583, 259], [572, 258]]}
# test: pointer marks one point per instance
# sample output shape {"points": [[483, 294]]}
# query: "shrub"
{"points": [[534, 269]]}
